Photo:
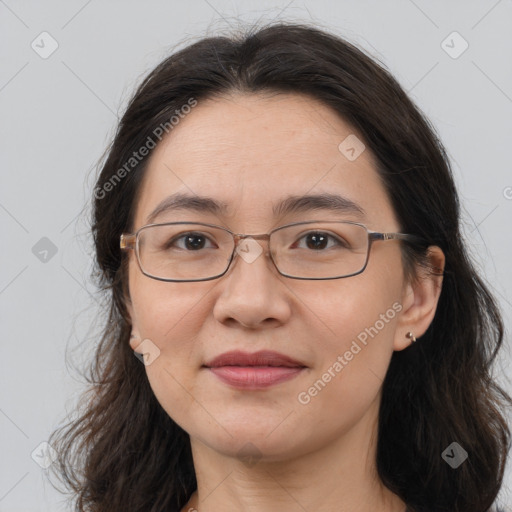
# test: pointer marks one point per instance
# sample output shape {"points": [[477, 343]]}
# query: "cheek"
{"points": [[355, 321], [171, 316], [362, 308], [166, 312]]}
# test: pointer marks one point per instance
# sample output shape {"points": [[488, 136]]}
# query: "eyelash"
{"points": [[302, 236]]}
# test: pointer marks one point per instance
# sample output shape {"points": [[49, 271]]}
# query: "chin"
{"points": [[253, 443]]}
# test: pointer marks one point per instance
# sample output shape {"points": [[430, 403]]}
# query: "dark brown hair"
{"points": [[124, 453]]}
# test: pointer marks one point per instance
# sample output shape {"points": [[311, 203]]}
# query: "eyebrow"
{"points": [[291, 204]]}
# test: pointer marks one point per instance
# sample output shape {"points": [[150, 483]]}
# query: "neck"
{"points": [[340, 476]]}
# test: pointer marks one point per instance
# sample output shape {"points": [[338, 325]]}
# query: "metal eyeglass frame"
{"points": [[131, 241]]}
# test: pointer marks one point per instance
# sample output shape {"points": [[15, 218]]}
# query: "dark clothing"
{"points": [[494, 509]]}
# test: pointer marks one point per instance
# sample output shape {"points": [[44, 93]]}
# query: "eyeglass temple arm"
{"points": [[127, 241], [409, 238], [396, 236]]}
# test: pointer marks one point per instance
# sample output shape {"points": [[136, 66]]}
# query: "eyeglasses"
{"points": [[187, 251]]}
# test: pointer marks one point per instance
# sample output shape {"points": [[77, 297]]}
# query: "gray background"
{"points": [[58, 114]]}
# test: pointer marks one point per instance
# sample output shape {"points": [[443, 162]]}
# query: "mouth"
{"points": [[254, 371]]}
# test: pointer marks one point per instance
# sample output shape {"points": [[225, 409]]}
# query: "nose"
{"points": [[253, 293]]}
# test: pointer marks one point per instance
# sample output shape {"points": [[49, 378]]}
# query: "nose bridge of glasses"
{"points": [[250, 253], [239, 237]]}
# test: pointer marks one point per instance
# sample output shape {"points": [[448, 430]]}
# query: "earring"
{"points": [[411, 336]]}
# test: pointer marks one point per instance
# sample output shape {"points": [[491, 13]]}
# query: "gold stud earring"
{"points": [[411, 336]]}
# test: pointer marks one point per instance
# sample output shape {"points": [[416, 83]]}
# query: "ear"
{"points": [[420, 296], [131, 319], [134, 341]]}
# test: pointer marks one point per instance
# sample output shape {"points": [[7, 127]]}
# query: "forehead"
{"points": [[250, 152]]}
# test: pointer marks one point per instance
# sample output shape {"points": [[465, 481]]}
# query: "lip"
{"points": [[256, 370], [261, 358]]}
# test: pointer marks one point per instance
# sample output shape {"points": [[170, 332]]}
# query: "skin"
{"points": [[250, 151]]}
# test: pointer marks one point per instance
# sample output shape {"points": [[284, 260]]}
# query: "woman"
{"points": [[343, 362]]}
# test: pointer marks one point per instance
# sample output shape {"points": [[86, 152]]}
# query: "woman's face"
{"points": [[251, 152]]}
